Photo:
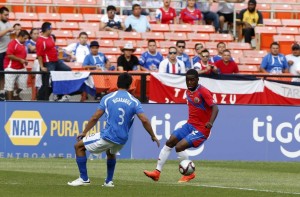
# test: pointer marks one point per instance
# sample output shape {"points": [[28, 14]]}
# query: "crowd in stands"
{"points": [[15, 43]]}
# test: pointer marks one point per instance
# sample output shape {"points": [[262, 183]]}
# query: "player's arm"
{"points": [[94, 119], [147, 126], [215, 111]]}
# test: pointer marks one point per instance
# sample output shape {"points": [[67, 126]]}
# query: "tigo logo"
{"points": [[25, 128]]}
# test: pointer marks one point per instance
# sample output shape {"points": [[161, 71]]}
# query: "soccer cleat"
{"points": [[185, 179], [79, 182], [109, 184], [154, 175], [65, 98]]}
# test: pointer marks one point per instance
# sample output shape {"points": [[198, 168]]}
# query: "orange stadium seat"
{"points": [[153, 35], [264, 36], [175, 36], [121, 43], [213, 52], [110, 50], [12, 16], [272, 22], [238, 46], [290, 22], [139, 51], [61, 42], [167, 44], [221, 37], [237, 53], [18, 8], [180, 28], [38, 24], [255, 53], [92, 17], [203, 28], [64, 6], [160, 27], [107, 35], [40, 7], [90, 6], [130, 35], [248, 68], [164, 51], [287, 30], [144, 43], [90, 26], [71, 17], [112, 58], [63, 34], [198, 36], [91, 34], [67, 25], [264, 8], [297, 37], [285, 42], [71, 40], [191, 44], [49, 17], [211, 45], [24, 24], [250, 60], [296, 9], [283, 11], [106, 43], [26, 16], [190, 52]]}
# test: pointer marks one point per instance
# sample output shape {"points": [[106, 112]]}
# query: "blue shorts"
{"points": [[194, 137]]}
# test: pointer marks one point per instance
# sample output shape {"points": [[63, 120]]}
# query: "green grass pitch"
{"points": [[49, 177]]}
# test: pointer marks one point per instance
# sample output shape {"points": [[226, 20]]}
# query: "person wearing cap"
{"points": [[247, 20], [96, 58], [171, 64], [127, 61], [294, 60], [111, 21], [48, 60], [274, 62]]}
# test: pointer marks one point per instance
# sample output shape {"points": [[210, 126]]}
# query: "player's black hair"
{"points": [[192, 72], [23, 33], [124, 81]]}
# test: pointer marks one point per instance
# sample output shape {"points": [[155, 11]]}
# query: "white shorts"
{"points": [[11, 79], [95, 144]]}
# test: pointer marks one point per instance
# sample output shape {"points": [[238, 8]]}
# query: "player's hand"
{"points": [[209, 125], [80, 136], [154, 139], [43, 68]]}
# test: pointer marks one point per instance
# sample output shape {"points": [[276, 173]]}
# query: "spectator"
{"points": [[128, 61], [204, 66], [17, 28], [172, 64], [166, 14], [79, 50], [110, 21], [248, 19], [208, 16], [136, 21], [5, 31], [96, 58], [15, 60], [225, 12], [198, 50], [61, 53], [225, 65], [48, 60], [180, 45], [274, 62], [221, 46], [151, 59], [190, 15], [294, 59], [31, 43]]}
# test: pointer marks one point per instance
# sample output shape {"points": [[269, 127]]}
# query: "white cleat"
{"points": [[109, 184], [79, 182]]}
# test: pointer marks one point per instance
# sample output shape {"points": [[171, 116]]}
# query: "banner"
{"points": [[169, 88]]}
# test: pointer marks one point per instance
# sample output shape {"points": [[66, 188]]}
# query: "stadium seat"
{"points": [[26, 16], [167, 44], [211, 45], [189, 52], [49, 17], [285, 42], [71, 40], [175, 36], [90, 26], [255, 53], [290, 22], [67, 25], [272, 22], [237, 53], [264, 8], [90, 6], [121, 43], [198, 37], [238, 46], [40, 8], [287, 30], [163, 51], [31, 56], [283, 11], [107, 35], [144, 43], [180, 28], [92, 17], [62, 34], [220, 37], [106, 43], [160, 28], [64, 6], [191, 44], [18, 8], [264, 36], [112, 58], [250, 60], [139, 51], [72, 17], [248, 68], [153, 35], [130, 35], [24, 24], [213, 52], [91, 34], [38, 24], [203, 28], [61, 42], [110, 50]]}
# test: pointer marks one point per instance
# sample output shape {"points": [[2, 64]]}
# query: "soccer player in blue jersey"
{"points": [[151, 59], [120, 107]]}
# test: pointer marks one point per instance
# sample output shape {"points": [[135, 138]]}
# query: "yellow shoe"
{"points": [[185, 179], [154, 175]]}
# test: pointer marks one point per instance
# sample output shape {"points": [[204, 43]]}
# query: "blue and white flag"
{"points": [[68, 82]]}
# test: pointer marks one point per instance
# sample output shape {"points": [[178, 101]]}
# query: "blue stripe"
{"points": [[90, 142]]}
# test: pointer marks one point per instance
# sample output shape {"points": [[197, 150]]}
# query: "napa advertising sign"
{"points": [[252, 133]]}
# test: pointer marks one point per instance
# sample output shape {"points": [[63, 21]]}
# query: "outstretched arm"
{"points": [[213, 116], [148, 127], [94, 119]]}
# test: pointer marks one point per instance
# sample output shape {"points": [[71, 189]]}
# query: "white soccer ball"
{"points": [[186, 167]]}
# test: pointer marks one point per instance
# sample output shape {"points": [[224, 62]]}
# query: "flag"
{"points": [[68, 82]]}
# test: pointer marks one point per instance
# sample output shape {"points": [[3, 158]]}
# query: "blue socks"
{"points": [[81, 162], [111, 164]]}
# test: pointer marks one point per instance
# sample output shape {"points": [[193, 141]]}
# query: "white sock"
{"points": [[182, 155], [163, 156]]}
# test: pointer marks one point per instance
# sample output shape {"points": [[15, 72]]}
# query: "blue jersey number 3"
{"points": [[121, 116]]}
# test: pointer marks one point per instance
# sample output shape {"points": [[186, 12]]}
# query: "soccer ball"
{"points": [[186, 167]]}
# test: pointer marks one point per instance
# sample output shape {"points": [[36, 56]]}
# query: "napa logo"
{"points": [[25, 128]]}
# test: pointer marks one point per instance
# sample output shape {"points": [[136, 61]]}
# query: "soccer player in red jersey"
{"points": [[202, 114]]}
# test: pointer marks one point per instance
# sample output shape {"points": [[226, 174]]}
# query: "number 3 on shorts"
{"points": [[121, 116]]}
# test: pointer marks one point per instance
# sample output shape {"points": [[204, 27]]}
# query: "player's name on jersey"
{"points": [[123, 100]]}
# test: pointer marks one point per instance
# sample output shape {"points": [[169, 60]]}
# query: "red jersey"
{"points": [[45, 47], [201, 66], [200, 104], [229, 68], [166, 17], [190, 17], [17, 49]]}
